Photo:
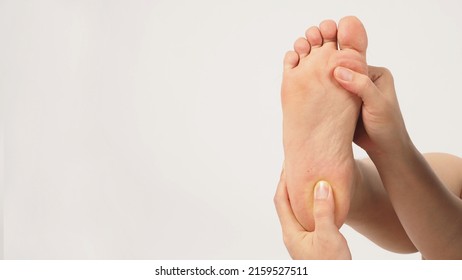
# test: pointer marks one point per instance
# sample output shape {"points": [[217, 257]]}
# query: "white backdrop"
{"points": [[152, 129]]}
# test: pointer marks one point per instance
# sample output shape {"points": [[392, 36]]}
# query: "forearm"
{"points": [[372, 214], [429, 213]]}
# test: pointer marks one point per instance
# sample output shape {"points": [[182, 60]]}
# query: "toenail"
{"points": [[343, 74]]}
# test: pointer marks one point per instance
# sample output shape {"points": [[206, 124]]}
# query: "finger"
{"points": [[359, 84], [286, 216], [324, 217], [380, 75]]}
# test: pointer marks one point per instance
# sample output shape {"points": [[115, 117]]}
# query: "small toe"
{"points": [[313, 34], [302, 47], [328, 29], [291, 60]]}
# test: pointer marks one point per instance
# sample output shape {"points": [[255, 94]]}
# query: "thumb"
{"points": [[324, 207], [360, 85]]}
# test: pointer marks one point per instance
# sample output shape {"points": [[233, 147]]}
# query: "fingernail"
{"points": [[343, 74], [322, 190]]}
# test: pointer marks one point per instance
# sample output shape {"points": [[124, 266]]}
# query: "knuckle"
{"points": [[386, 73], [287, 239], [321, 211], [277, 200]]}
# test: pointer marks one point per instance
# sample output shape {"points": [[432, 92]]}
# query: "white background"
{"points": [[152, 129], [148, 269]]}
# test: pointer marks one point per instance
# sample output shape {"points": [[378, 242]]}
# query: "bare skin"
{"points": [[319, 117], [372, 213], [403, 201], [372, 210], [423, 193], [325, 242]]}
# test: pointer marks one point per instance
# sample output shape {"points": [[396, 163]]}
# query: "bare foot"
{"points": [[319, 116]]}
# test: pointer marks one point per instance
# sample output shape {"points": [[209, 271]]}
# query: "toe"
{"points": [[302, 47], [290, 60], [313, 34], [352, 35], [328, 29]]}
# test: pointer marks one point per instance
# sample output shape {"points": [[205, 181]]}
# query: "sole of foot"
{"points": [[319, 117]]}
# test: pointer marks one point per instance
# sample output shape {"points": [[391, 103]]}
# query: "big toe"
{"points": [[352, 35]]}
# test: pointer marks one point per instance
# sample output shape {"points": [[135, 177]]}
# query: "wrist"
{"points": [[403, 152], [393, 150]]}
